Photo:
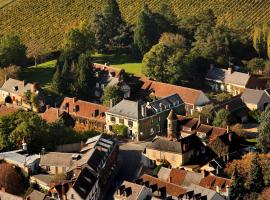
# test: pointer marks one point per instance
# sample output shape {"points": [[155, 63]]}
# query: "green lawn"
{"points": [[123, 61], [42, 74]]}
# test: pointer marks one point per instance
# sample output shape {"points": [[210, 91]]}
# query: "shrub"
{"points": [[120, 130]]}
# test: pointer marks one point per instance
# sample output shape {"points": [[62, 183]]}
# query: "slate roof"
{"points": [[84, 109], [21, 87], [36, 195], [84, 183], [253, 96], [159, 89], [127, 108], [223, 75], [56, 159], [232, 105]]}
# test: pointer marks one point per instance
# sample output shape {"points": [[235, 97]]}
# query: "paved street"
{"points": [[130, 158]]}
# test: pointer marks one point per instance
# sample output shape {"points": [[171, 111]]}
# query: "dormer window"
{"points": [[15, 88], [76, 108], [97, 85]]}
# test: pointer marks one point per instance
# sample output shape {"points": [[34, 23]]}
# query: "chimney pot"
{"points": [[230, 70], [217, 189], [228, 129]]}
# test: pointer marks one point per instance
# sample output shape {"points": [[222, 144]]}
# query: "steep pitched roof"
{"points": [[164, 173], [253, 96], [210, 194], [224, 75], [184, 178], [211, 182], [188, 95], [16, 86], [134, 190], [171, 189], [112, 70], [84, 109]]}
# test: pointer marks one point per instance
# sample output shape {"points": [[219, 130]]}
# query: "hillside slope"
{"points": [[41, 23]]}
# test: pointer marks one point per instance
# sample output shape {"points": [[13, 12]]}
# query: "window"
{"points": [[112, 119], [97, 85], [121, 121], [56, 170], [72, 196], [130, 123]]}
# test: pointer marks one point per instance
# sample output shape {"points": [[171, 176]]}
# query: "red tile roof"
{"points": [[52, 114], [211, 182], [177, 176], [85, 109], [171, 189], [111, 70], [188, 95], [6, 110]]}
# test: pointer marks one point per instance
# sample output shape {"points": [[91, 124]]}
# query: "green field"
{"points": [[41, 24], [41, 74], [129, 64]]}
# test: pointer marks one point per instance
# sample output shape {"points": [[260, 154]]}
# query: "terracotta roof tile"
{"points": [[188, 95], [111, 70], [52, 114], [84, 109], [6, 110], [171, 189], [211, 182], [177, 176]]}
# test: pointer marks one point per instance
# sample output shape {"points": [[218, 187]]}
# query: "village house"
{"points": [[193, 99], [177, 148], [57, 162], [20, 158], [7, 110], [85, 114], [185, 178], [256, 99], [110, 76], [234, 82], [13, 92], [143, 120], [94, 170]]}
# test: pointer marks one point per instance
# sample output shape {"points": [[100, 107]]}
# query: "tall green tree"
{"points": [[12, 51], [238, 189], [222, 118], [263, 131], [255, 179], [260, 39], [145, 35], [113, 93]]}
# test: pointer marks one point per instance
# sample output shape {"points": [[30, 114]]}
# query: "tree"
{"points": [[12, 51], [206, 114], [9, 72], [238, 129], [109, 28], [79, 40], [113, 93], [260, 39], [263, 130], [256, 65], [222, 118], [120, 130], [166, 11], [145, 32], [237, 188], [255, 179], [10, 179]]}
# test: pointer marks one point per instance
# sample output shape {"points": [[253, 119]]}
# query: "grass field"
{"points": [[41, 24], [41, 74], [129, 64]]}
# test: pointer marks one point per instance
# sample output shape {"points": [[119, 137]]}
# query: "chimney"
{"points": [[217, 189], [111, 103], [5, 78], [227, 107], [143, 110], [74, 100], [230, 70], [47, 107], [230, 136], [228, 129], [199, 120], [228, 191], [24, 145]]}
